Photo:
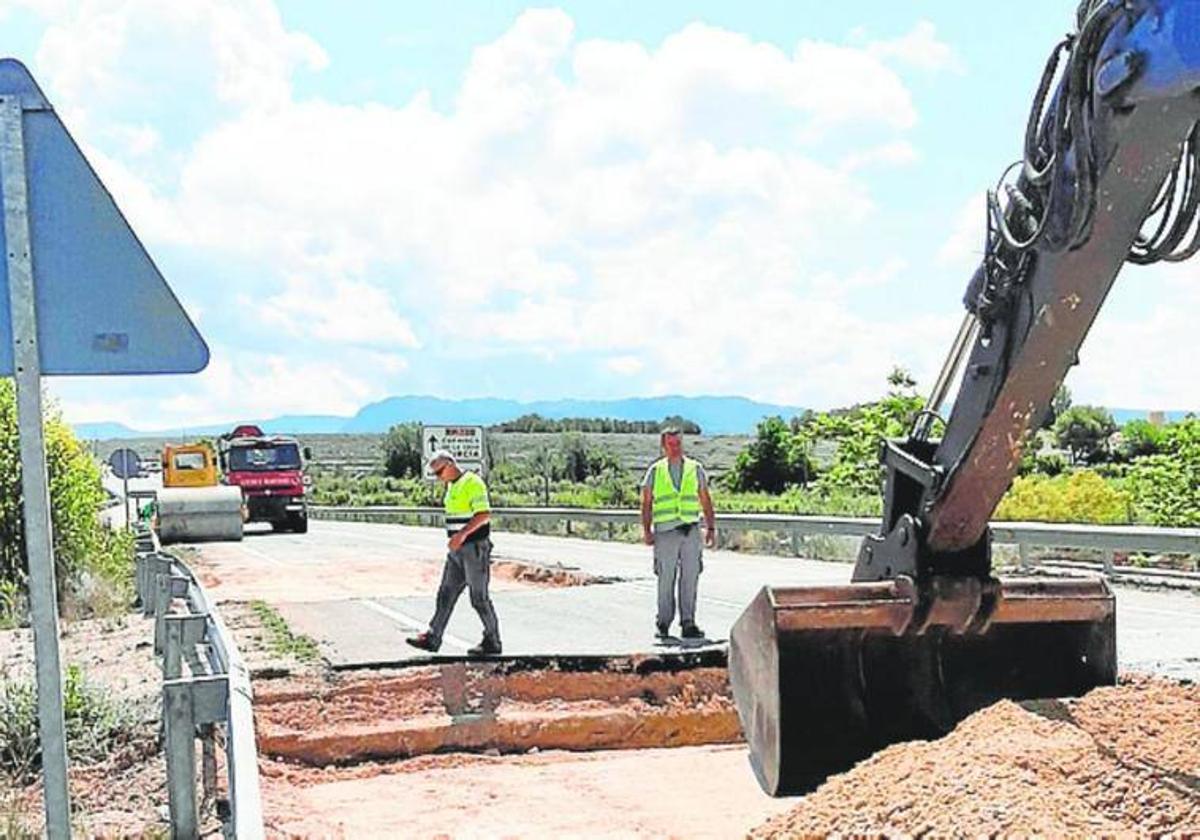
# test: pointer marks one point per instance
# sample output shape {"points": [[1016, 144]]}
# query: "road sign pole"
{"points": [[34, 485]]}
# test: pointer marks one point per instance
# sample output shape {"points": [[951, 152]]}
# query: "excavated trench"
{"points": [[510, 706]]}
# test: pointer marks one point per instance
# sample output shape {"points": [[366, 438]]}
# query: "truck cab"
{"points": [[269, 469]]}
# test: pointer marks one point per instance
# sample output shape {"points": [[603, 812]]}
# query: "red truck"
{"points": [[269, 469]]}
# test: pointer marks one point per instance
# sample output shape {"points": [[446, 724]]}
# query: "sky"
{"points": [[777, 200]]}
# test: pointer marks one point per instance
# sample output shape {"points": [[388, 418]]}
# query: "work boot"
{"points": [[487, 647], [691, 631], [425, 641], [663, 631]]}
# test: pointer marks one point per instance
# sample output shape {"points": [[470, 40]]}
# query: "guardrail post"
{"points": [[180, 746], [208, 761], [182, 632], [568, 523], [1109, 563], [797, 543], [169, 587], [1023, 553], [187, 704]]}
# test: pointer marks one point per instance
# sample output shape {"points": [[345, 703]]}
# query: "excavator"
{"points": [[925, 633]]}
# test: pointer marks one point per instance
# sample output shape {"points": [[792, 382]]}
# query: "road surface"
{"points": [[357, 589]]}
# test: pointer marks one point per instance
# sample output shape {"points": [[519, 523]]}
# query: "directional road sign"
{"points": [[102, 305], [465, 443]]}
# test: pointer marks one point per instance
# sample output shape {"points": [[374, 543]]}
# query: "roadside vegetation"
{"points": [[1081, 466], [279, 637], [96, 724], [93, 565]]}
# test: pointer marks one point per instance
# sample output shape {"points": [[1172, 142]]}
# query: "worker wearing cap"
{"points": [[674, 491], [469, 556]]}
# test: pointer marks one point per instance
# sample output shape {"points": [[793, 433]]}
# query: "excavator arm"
{"points": [[925, 634]]}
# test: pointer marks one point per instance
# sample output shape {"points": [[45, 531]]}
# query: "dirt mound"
{"points": [[1123, 759]]}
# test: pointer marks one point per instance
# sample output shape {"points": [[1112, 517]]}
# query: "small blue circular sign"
{"points": [[125, 463]]}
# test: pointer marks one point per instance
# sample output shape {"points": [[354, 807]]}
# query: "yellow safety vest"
{"points": [[465, 496], [670, 504]]}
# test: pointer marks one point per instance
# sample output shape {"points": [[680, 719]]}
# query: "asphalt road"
{"points": [[372, 602]]}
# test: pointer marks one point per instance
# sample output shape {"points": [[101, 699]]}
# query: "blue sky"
{"points": [[775, 200]]}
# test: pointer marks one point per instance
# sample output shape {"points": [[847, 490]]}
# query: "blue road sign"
{"points": [[102, 305], [125, 463]]}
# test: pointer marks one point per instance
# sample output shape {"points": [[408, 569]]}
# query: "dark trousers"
{"points": [[467, 568]]}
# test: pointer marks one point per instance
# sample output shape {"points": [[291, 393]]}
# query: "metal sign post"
{"points": [[125, 463], [39, 542]]}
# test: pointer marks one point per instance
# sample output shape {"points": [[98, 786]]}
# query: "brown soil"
{"points": [[477, 708], [1123, 760], [545, 576], [689, 792]]}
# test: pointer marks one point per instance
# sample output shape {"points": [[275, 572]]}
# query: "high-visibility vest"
{"points": [[670, 504], [465, 496]]}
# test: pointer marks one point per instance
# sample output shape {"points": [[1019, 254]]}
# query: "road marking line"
{"points": [[262, 555], [412, 623]]}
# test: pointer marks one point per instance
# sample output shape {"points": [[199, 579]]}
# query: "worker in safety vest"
{"points": [[674, 491], [468, 559]]}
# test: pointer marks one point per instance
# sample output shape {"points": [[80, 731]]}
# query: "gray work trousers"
{"points": [[678, 555], [470, 568]]}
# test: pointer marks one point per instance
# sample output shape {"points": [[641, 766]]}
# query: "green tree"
{"points": [[1084, 430], [1141, 437], [774, 460], [402, 451], [546, 463]]}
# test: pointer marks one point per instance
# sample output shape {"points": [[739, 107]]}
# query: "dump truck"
{"points": [[269, 470], [926, 633]]}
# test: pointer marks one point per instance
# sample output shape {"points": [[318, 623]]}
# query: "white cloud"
{"points": [[896, 153], [920, 48], [1140, 361], [625, 365], [95, 52], [344, 312], [590, 196], [237, 384], [963, 248]]}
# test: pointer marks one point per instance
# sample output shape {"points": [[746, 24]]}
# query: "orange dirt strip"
{"points": [[473, 708], [1123, 760]]}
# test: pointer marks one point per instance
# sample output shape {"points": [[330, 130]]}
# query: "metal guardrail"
{"points": [[1107, 539], [208, 700]]}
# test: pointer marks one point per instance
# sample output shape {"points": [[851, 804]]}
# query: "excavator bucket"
{"points": [[825, 676]]}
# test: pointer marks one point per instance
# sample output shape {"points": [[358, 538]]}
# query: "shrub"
{"points": [[82, 546], [94, 723], [1081, 496], [1166, 487]]}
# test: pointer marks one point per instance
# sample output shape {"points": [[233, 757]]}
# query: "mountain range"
{"points": [[715, 415]]}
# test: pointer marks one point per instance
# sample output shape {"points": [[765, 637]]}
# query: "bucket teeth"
{"points": [[824, 676]]}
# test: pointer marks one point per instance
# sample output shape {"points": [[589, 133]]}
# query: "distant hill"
{"points": [[715, 415], [1124, 415]]}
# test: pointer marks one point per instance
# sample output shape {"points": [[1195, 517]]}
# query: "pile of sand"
{"points": [[1121, 759]]}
